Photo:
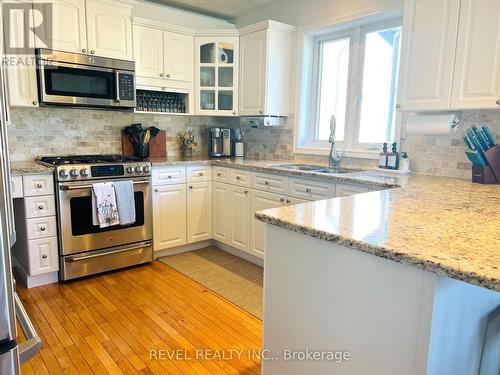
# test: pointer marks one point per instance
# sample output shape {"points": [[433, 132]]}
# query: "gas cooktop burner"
{"points": [[88, 159]]}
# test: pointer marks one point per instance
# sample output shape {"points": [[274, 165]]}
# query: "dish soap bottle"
{"points": [[393, 158], [382, 159], [404, 164]]}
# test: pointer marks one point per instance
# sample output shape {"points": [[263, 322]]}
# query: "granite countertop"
{"points": [[443, 225], [28, 167]]}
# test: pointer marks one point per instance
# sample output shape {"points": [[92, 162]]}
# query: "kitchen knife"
{"points": [[474, 141], [468, 144], [483, 140], [476, 158], [489, 136]]}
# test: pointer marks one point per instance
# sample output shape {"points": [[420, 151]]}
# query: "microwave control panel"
{"points": [[126, 86]]}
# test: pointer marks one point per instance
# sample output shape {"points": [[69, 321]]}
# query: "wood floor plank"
{"points": [[114, 323]]}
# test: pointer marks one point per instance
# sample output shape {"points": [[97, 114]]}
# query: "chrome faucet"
{"points": [[335, 156]]}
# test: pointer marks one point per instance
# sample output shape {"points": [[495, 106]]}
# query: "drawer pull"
{"points": [[219, 174], [155, 190], [246, 191], [308, 190], [200, 174], [282, 200], [44, 256], [169, 176], [40, 207], [238, 177], [288, 201], [266, 183], [39, 186], [42, 229], [190, 186]]}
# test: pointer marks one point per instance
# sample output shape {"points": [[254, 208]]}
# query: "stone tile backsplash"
{"points": [[59, 131]]}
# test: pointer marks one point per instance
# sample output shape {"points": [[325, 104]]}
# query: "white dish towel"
{"points": [[105, 212], [125, 202]]}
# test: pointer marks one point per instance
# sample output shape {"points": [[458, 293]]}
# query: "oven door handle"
{"points": [[76, 187], [78, 258], [27, 349]]}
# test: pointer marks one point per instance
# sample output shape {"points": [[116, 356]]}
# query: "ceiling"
{"points": [[226, 9]]}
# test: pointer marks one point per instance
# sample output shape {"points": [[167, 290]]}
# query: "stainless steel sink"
{"points": [[314, 168]]}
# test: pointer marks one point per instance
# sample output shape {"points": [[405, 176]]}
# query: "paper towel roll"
{"points": [[432, 124]]}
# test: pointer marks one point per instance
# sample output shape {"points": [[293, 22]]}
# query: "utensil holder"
{"points": [[141, 150], [489, 174], [493, 158]]}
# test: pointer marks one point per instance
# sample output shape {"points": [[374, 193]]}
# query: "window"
{"points": [[354, 78]]}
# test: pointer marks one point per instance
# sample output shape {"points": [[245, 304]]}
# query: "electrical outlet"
{"points": [[190, 129]]}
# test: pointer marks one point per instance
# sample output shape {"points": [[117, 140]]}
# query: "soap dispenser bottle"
{"points": [[382, 159], [393, 158]]}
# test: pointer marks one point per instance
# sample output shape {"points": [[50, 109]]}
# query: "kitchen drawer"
{"points": [[43, 256], [269, 182], [38, 184], [169, 176], [41, 227], [199, 173], [43, 205], [221, 174], [310, 189], [344, 190], [241, 178], [16, 186]]}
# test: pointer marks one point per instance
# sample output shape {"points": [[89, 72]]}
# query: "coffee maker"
{"points": [[220, 142]]}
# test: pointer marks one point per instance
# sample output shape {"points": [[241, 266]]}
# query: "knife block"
{"points": [[489, 174], [157, 146]]}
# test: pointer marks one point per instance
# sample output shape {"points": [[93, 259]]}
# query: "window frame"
{"points": [[307, 103]]}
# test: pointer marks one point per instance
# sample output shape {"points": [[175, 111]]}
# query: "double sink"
{"points": [[314, 168]]}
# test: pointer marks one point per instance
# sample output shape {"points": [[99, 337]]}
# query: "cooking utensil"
{"points": [[147, 136], [489, 136]]}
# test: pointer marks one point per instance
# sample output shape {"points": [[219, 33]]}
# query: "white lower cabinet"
{"points": [[221, 209], [344, 190], [169, 216], [199, 211], [42, 256], [239, 202], [261, 200]]}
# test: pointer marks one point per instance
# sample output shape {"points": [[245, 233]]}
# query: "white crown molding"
{"points": [[217, 32], [162, 25], [267, 24]]}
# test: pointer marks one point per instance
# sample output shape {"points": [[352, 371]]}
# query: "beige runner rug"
{"points": [[233, 278]]}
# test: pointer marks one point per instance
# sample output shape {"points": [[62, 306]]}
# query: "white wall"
{"points": [[178, 17], [301, 12]]}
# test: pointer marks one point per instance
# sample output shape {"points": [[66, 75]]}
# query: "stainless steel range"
{"points": [[86, 248]]}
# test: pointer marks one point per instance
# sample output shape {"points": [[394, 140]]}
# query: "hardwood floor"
{"points": [[143, 320]]}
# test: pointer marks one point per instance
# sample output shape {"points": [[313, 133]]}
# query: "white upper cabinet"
{"points": [[477, 69], [265, 69], [216, 78], [148, 51], [163, 58], [69, 29], [178, 56], [428, 52], [109, 29]]}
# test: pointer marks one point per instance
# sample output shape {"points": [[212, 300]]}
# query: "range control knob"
{"points": [[84, 172], [63, 173], [130, 170], [73, 173], [138, 169], [146, 169]]}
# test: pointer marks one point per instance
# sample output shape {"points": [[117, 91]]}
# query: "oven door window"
{"points": [[81, 215], [83, 83]]}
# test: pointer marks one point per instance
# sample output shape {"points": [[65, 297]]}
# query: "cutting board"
{"points": [[157, 146]]}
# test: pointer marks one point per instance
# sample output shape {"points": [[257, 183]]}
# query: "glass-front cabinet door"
{"points": [[217, 75]]}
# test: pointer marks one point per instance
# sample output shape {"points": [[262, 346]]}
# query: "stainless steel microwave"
{"points": [[82, 80]]}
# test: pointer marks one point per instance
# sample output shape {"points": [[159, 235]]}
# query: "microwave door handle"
{"points": [[117, 85], [29, 348]]}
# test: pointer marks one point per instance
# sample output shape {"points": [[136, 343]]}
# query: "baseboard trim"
{"points": [[34, 281], [200, 245]]}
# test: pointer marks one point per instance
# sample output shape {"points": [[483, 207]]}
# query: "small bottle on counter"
{"points": [[382, 159], [393, 158], [404, 164]]}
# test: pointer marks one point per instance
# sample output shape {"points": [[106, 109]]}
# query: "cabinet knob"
{"points": [[498, 102], [282, 200], [167, 75], [84, 50], [288, 201], [155, 190], [163, 88], [39, 185], [190, 186], [234, 113], [92, 52], [40, 207], [35, 102], [238, 177], [246, 191], [266, 183], [42, 229], [169, 176], [308, 190], [44, 256], [261, 112], [200, 174], [161, 75], [219, 174]]}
